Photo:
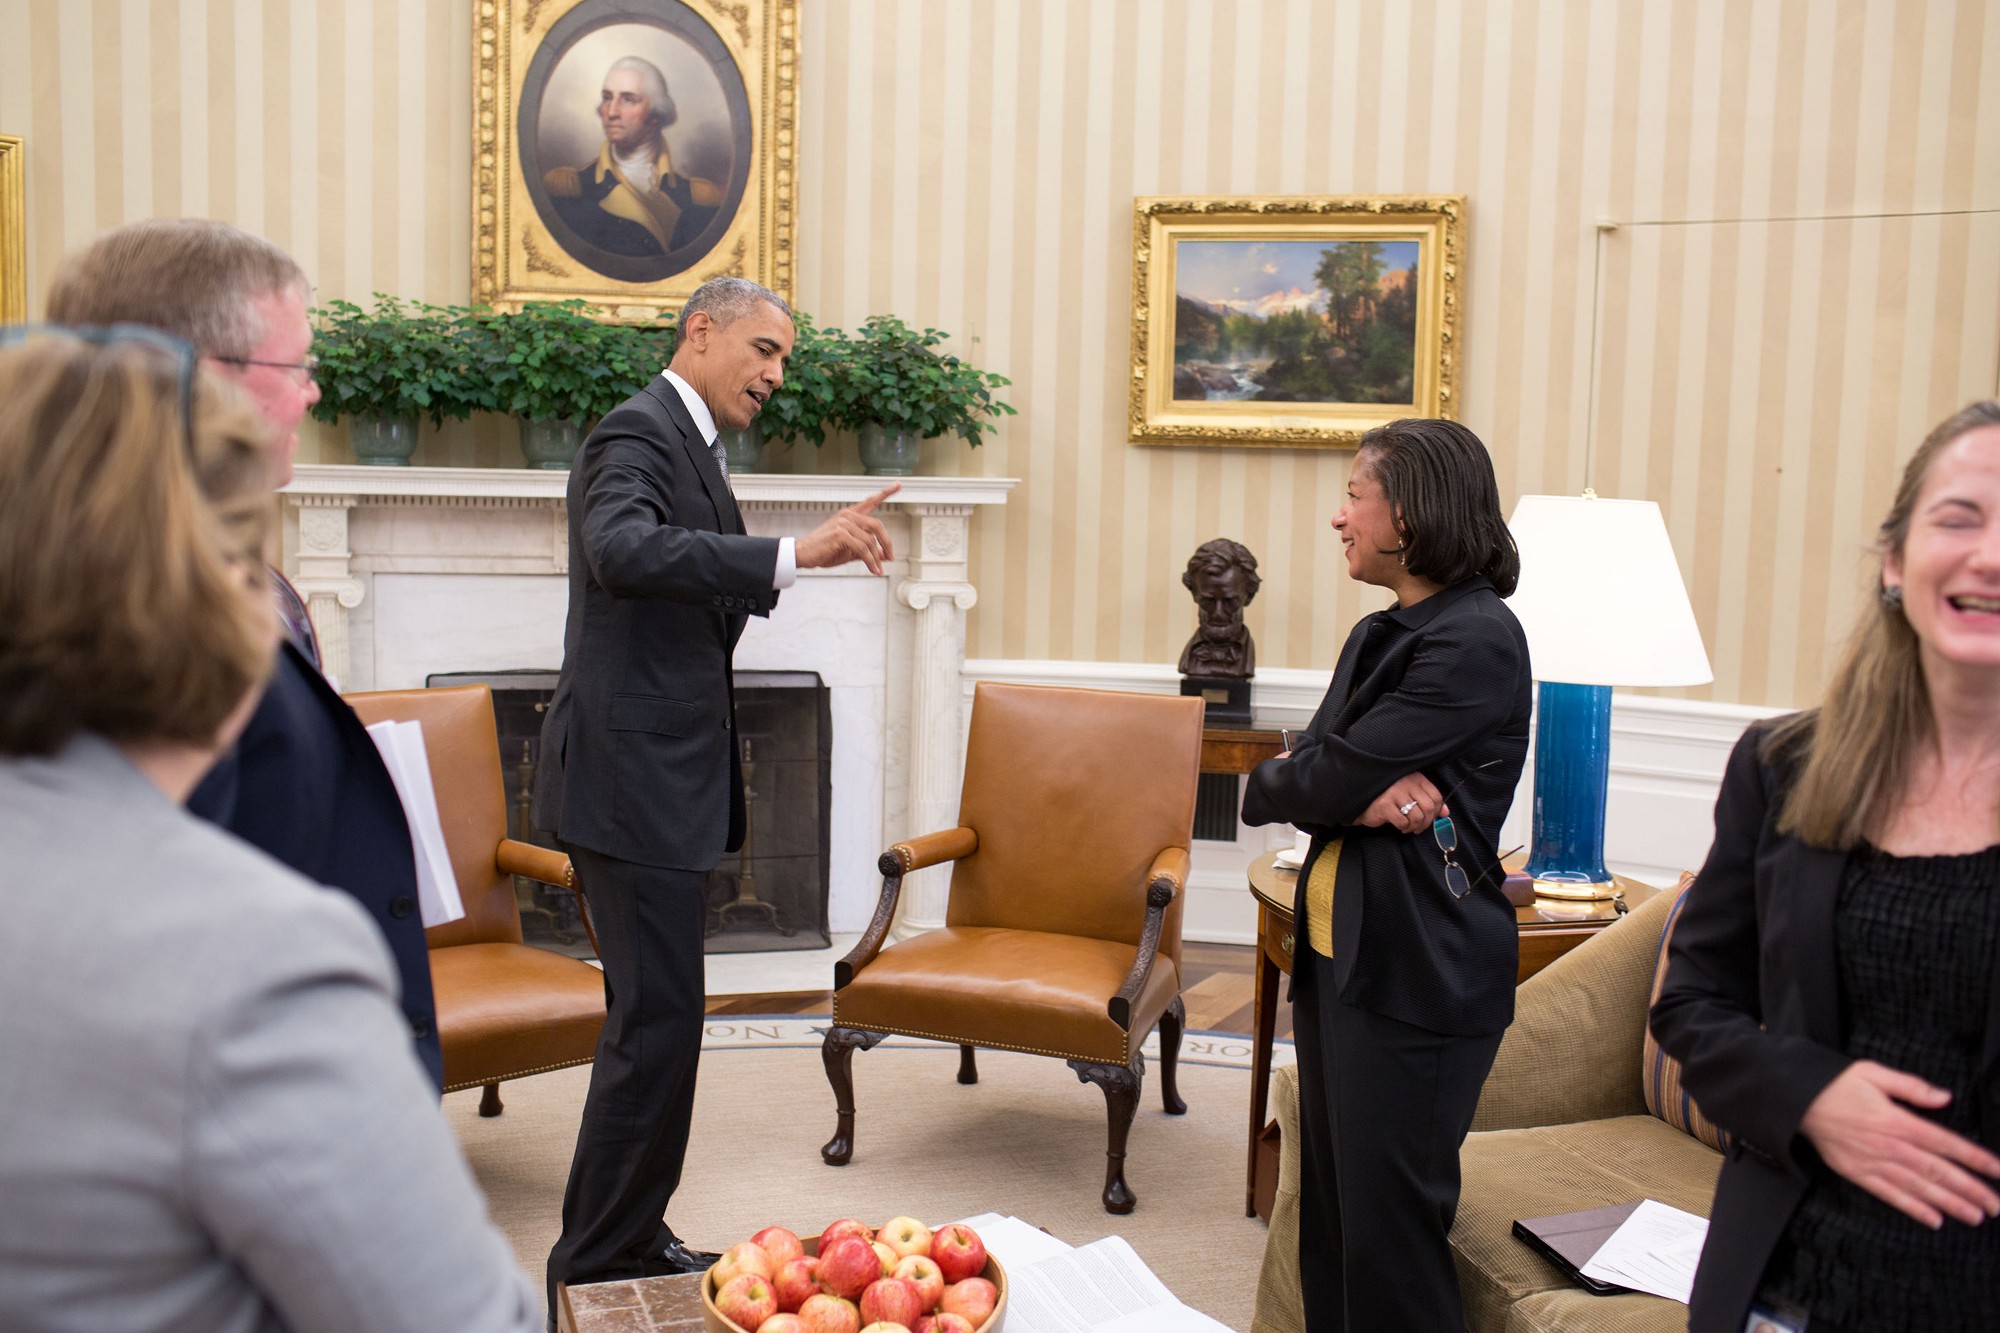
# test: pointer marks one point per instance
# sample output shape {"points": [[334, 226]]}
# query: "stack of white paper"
{"points": [[409, 765], [1102, 1287], [1655, 1250]]}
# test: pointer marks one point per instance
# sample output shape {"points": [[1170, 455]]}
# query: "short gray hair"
{"points": [[653, 83], [726, 300], [194, 278]]}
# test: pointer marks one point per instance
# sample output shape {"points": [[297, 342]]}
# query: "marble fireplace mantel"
{"points": [[411, 571]]}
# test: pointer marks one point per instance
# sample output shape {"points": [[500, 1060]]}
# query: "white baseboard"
{"points": [[1667, 759]]}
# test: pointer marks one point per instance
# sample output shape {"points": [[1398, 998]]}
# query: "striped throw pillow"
{"points": [[1661, 1076]]}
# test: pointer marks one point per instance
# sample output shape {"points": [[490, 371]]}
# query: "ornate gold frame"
{"points": [[514, 256], [1435, 222], [13, 231]]}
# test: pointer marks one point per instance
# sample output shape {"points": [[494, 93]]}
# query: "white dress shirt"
{"points": [[704, 421]]}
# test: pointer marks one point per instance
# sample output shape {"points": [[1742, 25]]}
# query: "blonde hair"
{"points": [[133, 602], [1855, 750]]}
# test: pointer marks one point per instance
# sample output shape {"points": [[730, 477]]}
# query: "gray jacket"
{"points": [[210, 1117]]}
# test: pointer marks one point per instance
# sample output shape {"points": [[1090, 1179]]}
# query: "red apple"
{"points": [[829, 1314], [782, 1322], [924, 1275], [847, 1267], [972, 1298], [747, 1301], [841, 1230], [891, 1300], [906, 1236], [884, 1326], [888, 1257], [748, 1257], [937, 1323], [959, 1252], [780, 1244], [793, 1282]]}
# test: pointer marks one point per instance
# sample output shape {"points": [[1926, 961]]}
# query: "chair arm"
{"points": [[914, 854], [932, 849], [1163, 885], [538, 863], [548, 866]]}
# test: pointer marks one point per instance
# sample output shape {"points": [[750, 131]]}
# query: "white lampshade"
{"points": [[1601, 596]]}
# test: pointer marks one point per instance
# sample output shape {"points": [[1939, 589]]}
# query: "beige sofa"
{"points": [[1563, 1125]]}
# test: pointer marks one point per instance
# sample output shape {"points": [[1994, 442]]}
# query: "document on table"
{"points": [[1015, 1243], [1654, 1250], [409, 765], [1102, 1287]]}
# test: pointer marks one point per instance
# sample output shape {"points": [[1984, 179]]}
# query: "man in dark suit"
{"points": [[640, 775], [304, 783]]}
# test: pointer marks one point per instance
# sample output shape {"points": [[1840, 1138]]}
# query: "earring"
{"points": [[1892, 596]]}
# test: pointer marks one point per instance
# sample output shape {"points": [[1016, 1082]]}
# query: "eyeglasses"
{"points": [[178, 350], [303, 372], [1445, 833]]}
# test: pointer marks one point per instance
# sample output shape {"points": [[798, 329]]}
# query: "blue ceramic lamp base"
{"points": [[1572, 779]]}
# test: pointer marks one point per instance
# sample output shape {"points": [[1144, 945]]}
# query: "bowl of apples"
{"points": [[902, 1277]]}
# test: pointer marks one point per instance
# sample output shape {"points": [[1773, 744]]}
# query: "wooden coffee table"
{"points": [[1548, 929]]}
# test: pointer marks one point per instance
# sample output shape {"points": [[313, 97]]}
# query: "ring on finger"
{"points": [[1406, 807]]}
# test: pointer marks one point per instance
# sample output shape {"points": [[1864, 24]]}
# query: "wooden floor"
{"points": [[1218, 989]]}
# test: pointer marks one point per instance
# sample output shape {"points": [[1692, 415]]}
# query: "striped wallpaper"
{"points": [[1731, 255]]}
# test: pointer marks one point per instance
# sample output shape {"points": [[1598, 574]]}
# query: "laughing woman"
{"points": [[1404, 978], [1833, 989]]}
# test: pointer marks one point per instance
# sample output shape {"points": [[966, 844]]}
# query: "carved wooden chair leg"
{"points": [[489, 1101], [968, 1069], [1121, 1102], [1172, 1024], [837, 1054]]}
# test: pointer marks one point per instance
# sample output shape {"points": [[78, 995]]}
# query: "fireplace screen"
{"points": [[773, 894]]}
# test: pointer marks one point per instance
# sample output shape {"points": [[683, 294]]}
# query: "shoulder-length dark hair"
{"points": [[1439, 482]]}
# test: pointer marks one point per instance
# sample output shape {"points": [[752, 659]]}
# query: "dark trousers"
{"points": [[636, 1119], [1383, 1108]]}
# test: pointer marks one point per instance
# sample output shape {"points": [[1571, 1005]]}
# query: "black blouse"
{"points": [[1916, 938]]}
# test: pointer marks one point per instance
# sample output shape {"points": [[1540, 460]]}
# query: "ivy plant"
{"points": [[398, 360], [894, 376]]}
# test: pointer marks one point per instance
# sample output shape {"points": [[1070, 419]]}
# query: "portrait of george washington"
{"points": [[635, 137]]}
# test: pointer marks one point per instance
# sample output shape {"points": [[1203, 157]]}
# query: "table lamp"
{"points": [[1603, 604]]}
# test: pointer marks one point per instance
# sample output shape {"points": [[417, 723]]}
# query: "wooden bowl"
{"points": [[713, 1321]]}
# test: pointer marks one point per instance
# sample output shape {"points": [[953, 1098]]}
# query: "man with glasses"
{"points": [[304, 783]]}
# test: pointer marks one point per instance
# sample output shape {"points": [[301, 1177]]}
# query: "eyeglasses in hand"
{"points": [[1445, 833]]}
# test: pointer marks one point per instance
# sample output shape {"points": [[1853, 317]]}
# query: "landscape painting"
{"points": [[1298, 321], [1295, 321]]}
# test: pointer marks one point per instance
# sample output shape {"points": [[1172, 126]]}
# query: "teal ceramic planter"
{"points": [[383, 441]]}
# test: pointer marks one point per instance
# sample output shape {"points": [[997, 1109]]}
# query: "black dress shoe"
{"points": [[675, 1257]]}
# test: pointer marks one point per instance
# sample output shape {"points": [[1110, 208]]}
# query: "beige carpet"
{"points": [[1027, 1139]]}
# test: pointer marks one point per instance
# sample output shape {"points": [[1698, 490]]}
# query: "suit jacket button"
{"points": [[402, 905], [420, 1027]]}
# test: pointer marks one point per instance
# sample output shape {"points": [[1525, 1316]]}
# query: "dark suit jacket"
{"points": [[639, 758], [306, 784], [1751, 1008], [1438, 688]]}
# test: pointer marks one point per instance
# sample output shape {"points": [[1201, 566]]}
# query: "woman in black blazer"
{"points": [[1833, 985], [1404, 971]]}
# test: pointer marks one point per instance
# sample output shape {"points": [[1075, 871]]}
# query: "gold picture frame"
{"points": [[1324, 315], [553, 214], [13, 231]]}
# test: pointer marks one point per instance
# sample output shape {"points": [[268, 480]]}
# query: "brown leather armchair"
{"points": [[1062, 934], [505, 1009]]}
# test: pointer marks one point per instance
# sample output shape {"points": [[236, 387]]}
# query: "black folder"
{"points": [[1568, 1240]]}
